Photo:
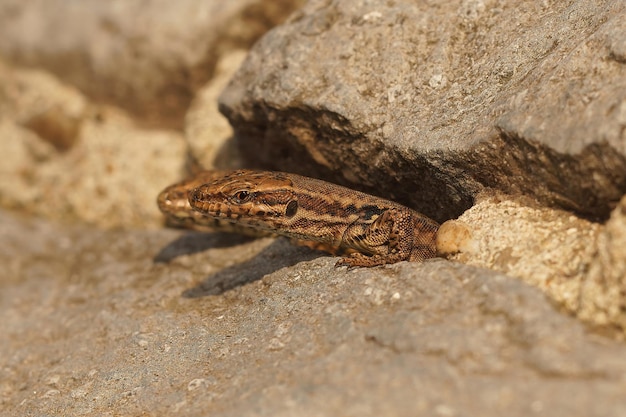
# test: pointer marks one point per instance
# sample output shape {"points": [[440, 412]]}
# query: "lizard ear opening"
{"points": [[292, 208]]}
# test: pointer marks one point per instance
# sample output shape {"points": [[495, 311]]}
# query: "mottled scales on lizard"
{"points": [[379, 230], [173, 201]]}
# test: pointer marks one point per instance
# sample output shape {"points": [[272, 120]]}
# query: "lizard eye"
{"points": [[292, 208], [242, 196]]}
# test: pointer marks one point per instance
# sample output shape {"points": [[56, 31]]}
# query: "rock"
{"points": [[38, 102], [430, 106], [547, 248], [207, 131], [66, 159], [117, 321], [148, 57], [603, 295], [579, 264]]}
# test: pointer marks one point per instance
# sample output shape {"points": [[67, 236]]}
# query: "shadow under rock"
{"points": [[195, 242], [277, 255]]}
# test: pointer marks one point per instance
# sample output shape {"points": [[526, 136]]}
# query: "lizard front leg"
{"points": [[388, 239]]}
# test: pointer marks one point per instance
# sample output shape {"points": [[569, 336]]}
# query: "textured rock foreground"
{"points": [[139, 323]]}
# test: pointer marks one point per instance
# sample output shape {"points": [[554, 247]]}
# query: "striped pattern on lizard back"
{"points": [[173, 201], [379, 230]]}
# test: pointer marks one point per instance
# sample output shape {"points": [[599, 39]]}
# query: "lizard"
{"points": [[173, 201], [376, 230]]}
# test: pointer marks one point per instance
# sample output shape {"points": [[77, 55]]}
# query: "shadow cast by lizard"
{"points": [[196, 242], [277, 255]]}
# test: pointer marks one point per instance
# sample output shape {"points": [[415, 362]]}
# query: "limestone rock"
{"points": [[207, 131], [579, 264], [549, 249]]}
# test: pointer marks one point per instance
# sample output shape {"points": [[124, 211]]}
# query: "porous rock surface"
{"points": [[207, 132], [577, 263], [603, 295], [137, 324], [66, 158]]}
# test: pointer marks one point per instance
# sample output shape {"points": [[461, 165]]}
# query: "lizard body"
{"points": [[379, 231]]}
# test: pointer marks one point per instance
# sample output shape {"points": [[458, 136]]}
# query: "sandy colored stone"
{"points": [[39, 102], [603, 298], [579, 264], [132, 323], [549, 249], [207, 131], [108, 174]]}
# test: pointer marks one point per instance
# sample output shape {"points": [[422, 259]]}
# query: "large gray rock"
{"points": [[133, 323], [433, 104]]}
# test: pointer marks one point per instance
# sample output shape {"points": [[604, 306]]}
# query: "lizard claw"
{"points": [[344, 262], [358, 259]]}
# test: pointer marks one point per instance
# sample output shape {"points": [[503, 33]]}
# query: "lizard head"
{"points": [[258, 199], [173, 201]]}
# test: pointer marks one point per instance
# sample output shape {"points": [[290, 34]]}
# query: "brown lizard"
{"points": [[173, 201], [379, 230]]}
